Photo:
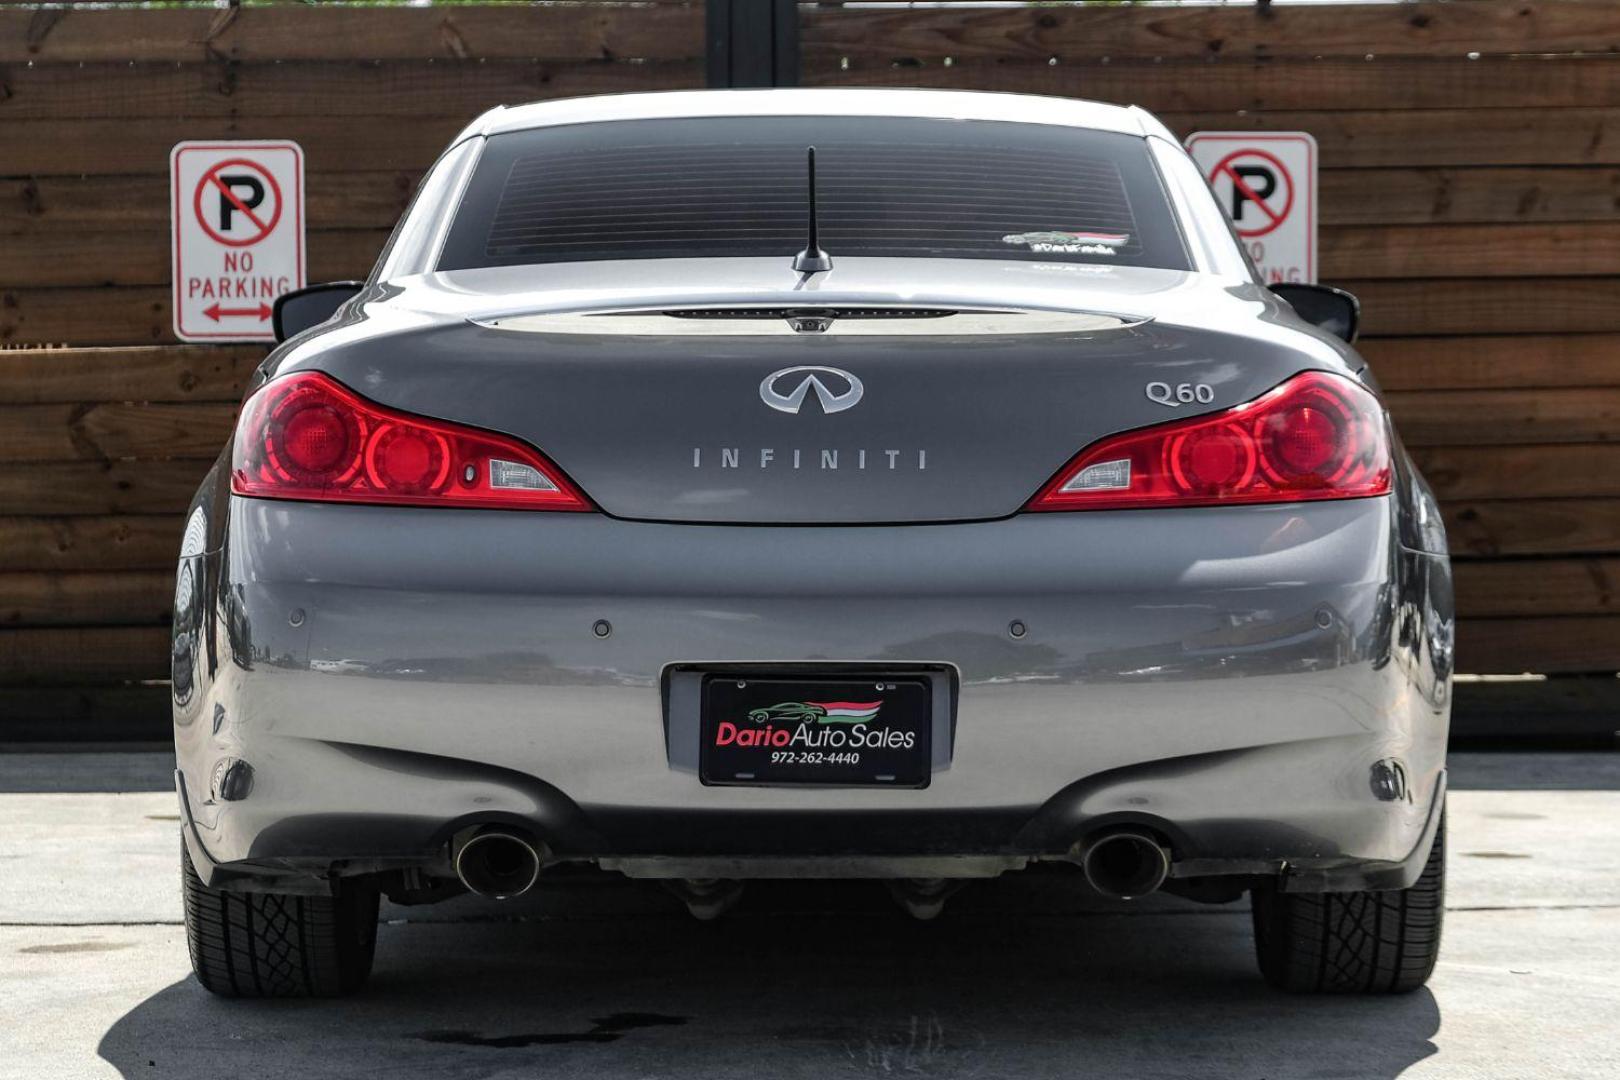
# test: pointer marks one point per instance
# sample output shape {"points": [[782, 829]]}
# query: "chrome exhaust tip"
{"points": [[498, 864], [1125, 864]]}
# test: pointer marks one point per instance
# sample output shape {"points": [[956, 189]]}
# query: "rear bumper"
{"points": [[1266, 686]]}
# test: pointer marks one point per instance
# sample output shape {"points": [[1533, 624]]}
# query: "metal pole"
{"points": [[753, 43]]}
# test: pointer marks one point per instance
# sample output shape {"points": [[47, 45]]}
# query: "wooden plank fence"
{"points": [[1470, 195]]}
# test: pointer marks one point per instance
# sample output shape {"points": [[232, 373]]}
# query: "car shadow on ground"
{"points": [[1028, 976]]}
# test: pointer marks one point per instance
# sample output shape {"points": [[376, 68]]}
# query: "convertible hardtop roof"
{"points": [[926, 104]]}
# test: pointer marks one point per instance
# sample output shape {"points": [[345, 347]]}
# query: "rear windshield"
{"points": [[736, 186]]}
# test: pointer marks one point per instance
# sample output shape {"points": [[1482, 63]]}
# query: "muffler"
{"points": [[924, 898], [706, 898], [1125, 864], [498, 864]]}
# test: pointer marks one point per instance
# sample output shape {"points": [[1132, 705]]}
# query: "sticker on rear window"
{"points": [[1058, 242]]}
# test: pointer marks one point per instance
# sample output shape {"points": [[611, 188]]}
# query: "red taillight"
{"points": [[307, 436], [1317, 436]]}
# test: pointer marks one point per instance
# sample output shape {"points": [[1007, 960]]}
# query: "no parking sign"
{"points": [[1266, 183], [238, 241]]}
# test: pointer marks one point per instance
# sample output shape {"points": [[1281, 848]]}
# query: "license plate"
{"points": [[850, 731]]}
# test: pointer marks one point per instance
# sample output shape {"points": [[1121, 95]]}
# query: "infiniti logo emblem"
{"points": [[770, 390]]}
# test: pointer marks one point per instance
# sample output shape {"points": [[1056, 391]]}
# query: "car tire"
{"points": [[1356, 942], [262, 945]]}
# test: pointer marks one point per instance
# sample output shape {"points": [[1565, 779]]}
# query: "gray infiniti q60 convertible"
{"points": [[902, 485]]}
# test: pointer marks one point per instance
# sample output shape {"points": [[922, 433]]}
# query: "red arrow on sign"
{"points": [[216, 312]]}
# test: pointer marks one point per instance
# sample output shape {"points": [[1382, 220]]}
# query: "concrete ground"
{"points": [[1023, 977]]}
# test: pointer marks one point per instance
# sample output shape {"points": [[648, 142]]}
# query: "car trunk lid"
{"points": [[858, 404]]}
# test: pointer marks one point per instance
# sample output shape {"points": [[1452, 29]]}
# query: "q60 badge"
{"points": [[1174, 397]]}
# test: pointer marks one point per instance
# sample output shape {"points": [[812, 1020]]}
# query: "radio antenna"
{"points": [[812, 260]]}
